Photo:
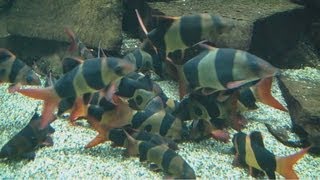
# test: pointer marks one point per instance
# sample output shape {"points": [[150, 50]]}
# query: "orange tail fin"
{"points": [[285, 164], [51, 101], [79, 110], [96, 141], [73, 45], [263, 91]]}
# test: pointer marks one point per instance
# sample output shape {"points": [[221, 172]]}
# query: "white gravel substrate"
{"points": [[67, 159]]}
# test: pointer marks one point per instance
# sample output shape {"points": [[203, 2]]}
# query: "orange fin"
{"points": [[263, 93], [51, 101], [285, 164], [14, 87], [73, 45], [166, 17], [220, 135], [96, 141], [79, 109]]}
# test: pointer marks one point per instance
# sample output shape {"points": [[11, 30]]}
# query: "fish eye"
{"points": [[148, 128], [118, 70], [139, 100], [4, 55], [29, 79], [197, 111]]}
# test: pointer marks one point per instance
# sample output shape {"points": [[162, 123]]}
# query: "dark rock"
{"points": [[303, 102], [92, 21], [268, 29]]}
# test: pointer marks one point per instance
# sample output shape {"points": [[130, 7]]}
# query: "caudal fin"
{"points": [[285, 164], [96, 141], [79, 109], [263, 93], [73, 45], [51, 101]]}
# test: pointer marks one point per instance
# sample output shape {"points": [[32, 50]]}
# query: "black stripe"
{"points": [[167, 158], [266, 160], [252, 62], [140, 117], [138, 57], [106, 105], [117, 136], [156, 36], [64, 86], [247, 98], [4, 55], [240, 139], [210, 103], [91, 71], [190, 29], [144, 147], [166, 124], [65, 104], [224, 65], [17, 65], [96, 112], [190, 69]]}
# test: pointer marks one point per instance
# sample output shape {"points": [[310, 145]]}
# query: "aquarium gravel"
{"points": [[67, 158]]}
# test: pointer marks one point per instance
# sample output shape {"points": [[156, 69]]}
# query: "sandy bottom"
{"points": [[68, 158]]}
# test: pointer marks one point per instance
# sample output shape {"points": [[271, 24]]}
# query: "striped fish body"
{"points": [[223, 68], [156, 120], [119, 138], [247, 98], [253, 154], [66, 104], [27, 140], [145, 61], [91, 75], [167, 159], [174, 33], [160, 122], [13, 70], [250, 150]]}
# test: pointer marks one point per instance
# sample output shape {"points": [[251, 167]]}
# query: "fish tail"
{"points": [[263, 91], [80, 109], [71, 35], [96, 141], [285, 164], [51, 101], [220, 135]]}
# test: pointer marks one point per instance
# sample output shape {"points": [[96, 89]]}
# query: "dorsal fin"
{"points": [[70, 63], [72, 37], [257, 138], [143, 27]]}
